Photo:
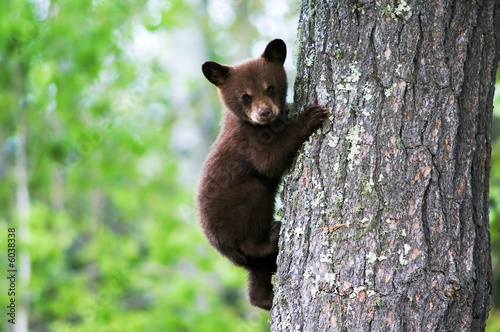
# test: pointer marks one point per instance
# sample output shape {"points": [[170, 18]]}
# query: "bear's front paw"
{"points": [[313, 116]]}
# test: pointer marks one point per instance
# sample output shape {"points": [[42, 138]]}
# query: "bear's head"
{"points": [[255, 90]]}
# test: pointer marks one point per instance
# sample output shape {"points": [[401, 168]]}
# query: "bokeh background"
{"points": [[105, 120]]}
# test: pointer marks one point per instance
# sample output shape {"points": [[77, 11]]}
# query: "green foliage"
{"points": [[114, 243], [493, 323]]}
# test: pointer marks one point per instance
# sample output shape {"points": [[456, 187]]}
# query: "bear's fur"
{"points": [[257, 143]]}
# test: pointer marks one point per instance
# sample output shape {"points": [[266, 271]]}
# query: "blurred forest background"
{"points": [[105, 120]]}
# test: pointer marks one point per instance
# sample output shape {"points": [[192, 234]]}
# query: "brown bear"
{"points": [[256, 144]]}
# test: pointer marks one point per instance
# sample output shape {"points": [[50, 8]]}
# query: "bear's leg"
{"points": [[264, 248], [260, 289]]}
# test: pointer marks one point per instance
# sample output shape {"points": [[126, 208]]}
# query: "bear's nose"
{"points": [[265, 113]]}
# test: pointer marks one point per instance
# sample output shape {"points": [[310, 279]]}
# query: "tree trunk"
{"points": [[386, 210], [23, 207]]}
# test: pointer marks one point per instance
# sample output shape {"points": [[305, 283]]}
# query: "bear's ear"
{"points": [[275, 51], [215, 73]]}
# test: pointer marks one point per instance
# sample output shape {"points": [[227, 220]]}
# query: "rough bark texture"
{"points": [[386, 210]]}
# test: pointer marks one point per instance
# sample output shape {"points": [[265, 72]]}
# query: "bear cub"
{"points": [[255, 146]]}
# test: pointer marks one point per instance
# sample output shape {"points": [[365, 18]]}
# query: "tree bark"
{"points": [[385, 224]]}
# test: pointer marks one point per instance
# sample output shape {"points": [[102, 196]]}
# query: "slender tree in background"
{"points": [[386, 211]]}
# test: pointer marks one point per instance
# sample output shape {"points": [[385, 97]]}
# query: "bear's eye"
{"points": [[270, 90], [246, 98]]}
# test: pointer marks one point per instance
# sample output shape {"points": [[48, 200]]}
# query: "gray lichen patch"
{"points": [[354, 138]]}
